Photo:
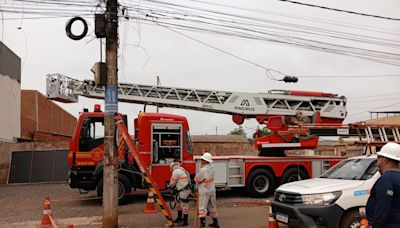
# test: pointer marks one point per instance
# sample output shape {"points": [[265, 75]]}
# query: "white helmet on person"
{"points": [[390, 150], [171, 167], [207, 157]]}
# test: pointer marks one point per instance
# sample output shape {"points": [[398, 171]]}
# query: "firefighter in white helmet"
{"points": [[206, 191], [383, 206], [180, 181]]}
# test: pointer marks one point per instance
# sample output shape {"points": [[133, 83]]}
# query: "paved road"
{"points": [[22, 206]]}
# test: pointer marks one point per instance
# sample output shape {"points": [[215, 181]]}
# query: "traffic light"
{"points": [[289, 79]]}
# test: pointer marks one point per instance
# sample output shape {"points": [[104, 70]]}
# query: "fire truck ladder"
{"points": [[238, 104], [372, 134], [377, 133], [152, 185]]}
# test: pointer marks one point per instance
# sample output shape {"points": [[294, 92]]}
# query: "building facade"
{"points": [[10, 94]]}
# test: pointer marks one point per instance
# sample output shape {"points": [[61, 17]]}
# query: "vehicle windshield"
{"points": [[352, 169]]}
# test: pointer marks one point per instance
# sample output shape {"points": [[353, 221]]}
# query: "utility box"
{"points": [[100, 25], [99, 70]]}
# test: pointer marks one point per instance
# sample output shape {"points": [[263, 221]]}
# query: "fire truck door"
{"points": [[91, 138], [166, 148]]}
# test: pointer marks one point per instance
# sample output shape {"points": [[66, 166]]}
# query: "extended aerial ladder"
{"points": [[331, 107], [266, 108], [274, 108]]}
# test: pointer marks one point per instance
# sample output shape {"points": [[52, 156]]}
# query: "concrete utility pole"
{"points": [[110, 173]]}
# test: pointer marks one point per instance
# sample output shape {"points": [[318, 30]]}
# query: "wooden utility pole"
{"points": [[110, 173]]}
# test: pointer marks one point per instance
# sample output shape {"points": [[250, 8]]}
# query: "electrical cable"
{"points": [[340, 10]]}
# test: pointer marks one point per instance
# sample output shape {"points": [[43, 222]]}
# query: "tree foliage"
{"points": [[238, 131]]}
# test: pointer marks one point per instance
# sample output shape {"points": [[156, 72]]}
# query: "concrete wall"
{"points": [[10, 63], [43, 120], [10, 109], [10, 96], [7, 148]]}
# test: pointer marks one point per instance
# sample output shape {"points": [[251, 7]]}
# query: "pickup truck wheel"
{"points": [[260, 183], [350, 219], [124, 187], [293, 174]]}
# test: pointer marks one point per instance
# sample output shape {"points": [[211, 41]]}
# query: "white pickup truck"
{"points": [[331, 200]]}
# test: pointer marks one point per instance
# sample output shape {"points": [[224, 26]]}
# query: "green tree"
{"points": [[238, 131]]}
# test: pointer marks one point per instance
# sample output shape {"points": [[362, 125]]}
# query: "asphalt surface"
{"points": [[22, 206]]}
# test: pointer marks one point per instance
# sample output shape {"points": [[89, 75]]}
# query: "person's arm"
{"points": [[384, 196], [199, 177], [174, 179]]}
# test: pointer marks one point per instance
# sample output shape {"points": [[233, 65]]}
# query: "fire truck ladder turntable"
{"points": [[238, 104], [152, 185]]}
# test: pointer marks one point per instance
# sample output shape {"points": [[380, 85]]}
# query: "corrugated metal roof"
{"points": [[218, 139], [385, 120]]}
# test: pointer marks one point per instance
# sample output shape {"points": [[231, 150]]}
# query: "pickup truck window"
{"points": [[352, 169]]}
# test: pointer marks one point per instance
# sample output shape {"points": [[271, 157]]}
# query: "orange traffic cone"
{"points": [[150, 208], [47, 217], [272, 223]]}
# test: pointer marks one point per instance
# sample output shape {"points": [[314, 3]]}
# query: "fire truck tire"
{"points": [[293, 174], [351, 219], [260, 183], [124, 187]]}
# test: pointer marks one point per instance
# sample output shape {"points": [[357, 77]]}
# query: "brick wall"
{"points": [[43, 120]]}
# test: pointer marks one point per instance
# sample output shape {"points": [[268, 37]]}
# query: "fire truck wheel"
{"points": [[350, 219], [260, 183], [124, 187], [293, 174]]}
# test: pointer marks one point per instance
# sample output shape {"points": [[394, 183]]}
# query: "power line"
{"points": [[340, 10], [377, 95], [386, 106], [351, 76], [268, 71], [211, 21], [309, 19]]}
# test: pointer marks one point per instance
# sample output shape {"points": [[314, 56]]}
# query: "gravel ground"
{"points": [[24, 203]]}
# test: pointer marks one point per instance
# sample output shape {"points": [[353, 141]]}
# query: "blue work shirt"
{"points": [[383, 206]]}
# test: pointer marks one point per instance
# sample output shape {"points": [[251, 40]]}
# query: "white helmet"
{"points": [[173, 164], [207, 157], [390, 150]]}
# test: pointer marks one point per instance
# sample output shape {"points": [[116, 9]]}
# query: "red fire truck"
{"points": [[164, 138]]}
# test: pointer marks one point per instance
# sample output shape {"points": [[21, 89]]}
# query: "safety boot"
{"points": [[184, 221], [202, 222], [178, 218], [215, 223]]}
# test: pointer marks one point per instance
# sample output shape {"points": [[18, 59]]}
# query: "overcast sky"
{"points": [[148, 50]]}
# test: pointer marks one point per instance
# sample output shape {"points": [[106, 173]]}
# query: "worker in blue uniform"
{"points": [[383, 206]]}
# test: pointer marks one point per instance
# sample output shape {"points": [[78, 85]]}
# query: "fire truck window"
{"points": [[92, 134], [166, 144]]}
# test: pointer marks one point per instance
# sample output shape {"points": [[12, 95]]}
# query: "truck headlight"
{"points": [[321, 199]]}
